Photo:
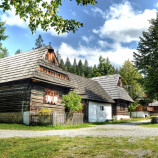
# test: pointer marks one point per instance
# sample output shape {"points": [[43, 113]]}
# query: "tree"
{"points": [[104, 67], [86, 68], [67, 65], [3, 51], [62, 64], [18, 51], [80, 68], [39, 42], [95, 72], [146, 59], [72, 101], [74, 67], [130, 77], [44, 14], [58, 56]]}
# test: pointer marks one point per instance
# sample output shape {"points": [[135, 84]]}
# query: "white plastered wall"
{"points": [[120, 117], [140, 114], [95, 114]]}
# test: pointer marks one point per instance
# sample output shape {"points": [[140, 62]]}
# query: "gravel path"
{"points": [[122, 129]]}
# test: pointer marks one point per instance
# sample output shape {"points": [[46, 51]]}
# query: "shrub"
{"points": [[72, 101]]}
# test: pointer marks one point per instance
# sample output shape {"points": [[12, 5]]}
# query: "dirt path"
{"points": [[110, 130]]}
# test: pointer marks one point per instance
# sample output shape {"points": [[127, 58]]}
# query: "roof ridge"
{"points": [[22, 53]]}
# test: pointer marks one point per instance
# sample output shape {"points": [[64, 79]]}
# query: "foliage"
{"points": [[44, 14], [58, 56], [130, 77], [18, 51], [80, 68], [146, 59], [72, 101], [104, 67], [3, 51], [67, 65], [39, 42], [84, 70], [62, 64], [133, 106]]}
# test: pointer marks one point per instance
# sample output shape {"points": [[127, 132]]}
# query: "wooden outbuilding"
{"points": [[112, 84]]}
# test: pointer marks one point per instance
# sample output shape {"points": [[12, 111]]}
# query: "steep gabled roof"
{"points": [[27, 65], [113, 86]]}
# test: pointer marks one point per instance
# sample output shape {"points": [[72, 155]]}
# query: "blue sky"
{"points": [[111, 28]]}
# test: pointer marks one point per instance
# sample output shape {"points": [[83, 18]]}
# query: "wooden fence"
{"points": [[58, 118]]}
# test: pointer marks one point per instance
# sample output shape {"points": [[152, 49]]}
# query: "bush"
{"points": [[72, 101]]}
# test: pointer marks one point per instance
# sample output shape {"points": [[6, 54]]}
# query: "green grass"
{"points": [[41, 128], [149, 125], [60, 127], [78, 147]]}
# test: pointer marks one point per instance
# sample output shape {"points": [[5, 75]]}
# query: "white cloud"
{"points": [[97, 10], [14, 20], [87, 39], [117, 56], [123, 24]]}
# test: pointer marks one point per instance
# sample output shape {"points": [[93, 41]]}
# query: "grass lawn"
{"points": [[149, 125], [78, 147], [60, 127]]}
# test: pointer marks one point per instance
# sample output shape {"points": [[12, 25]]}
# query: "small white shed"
{"points": [[99, 112]]}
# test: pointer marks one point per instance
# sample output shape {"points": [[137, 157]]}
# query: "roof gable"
{"points": [[112, 84], [51, 57]]}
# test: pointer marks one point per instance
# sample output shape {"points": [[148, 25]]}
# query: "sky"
{"points": [[111, 28]]}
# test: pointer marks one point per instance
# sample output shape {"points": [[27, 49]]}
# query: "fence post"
{"points": [[51, 118]]}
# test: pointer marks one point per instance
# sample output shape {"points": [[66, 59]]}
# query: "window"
{"points": [[102, 108], [123, 107], [50, 97]]}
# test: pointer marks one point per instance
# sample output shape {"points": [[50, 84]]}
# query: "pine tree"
{"points": [[105, 68], [62, 64], [116, 71], [39, 42], [18, 51], [58, 56], [80, 68], [3, 51], [146, 59], [95, 72], [74, 67], [86, 68], [67, 65]]}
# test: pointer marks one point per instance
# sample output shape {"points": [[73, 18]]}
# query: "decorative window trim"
{"points": [[52, 73], [50, 96]]}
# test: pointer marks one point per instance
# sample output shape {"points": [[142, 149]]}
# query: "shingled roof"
{"points": [[110, 84], [26, 65]]}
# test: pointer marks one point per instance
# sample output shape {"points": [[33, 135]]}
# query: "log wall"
{"points": [[13, 94], [118, 110], [37, 99]]}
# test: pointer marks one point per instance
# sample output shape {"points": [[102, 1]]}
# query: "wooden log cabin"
{"points": [[32, 80], [146, 109], [112, 84]]}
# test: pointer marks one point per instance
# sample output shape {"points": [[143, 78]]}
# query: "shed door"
{"points": [[99, 112], [26, 114], [26, 117]]}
